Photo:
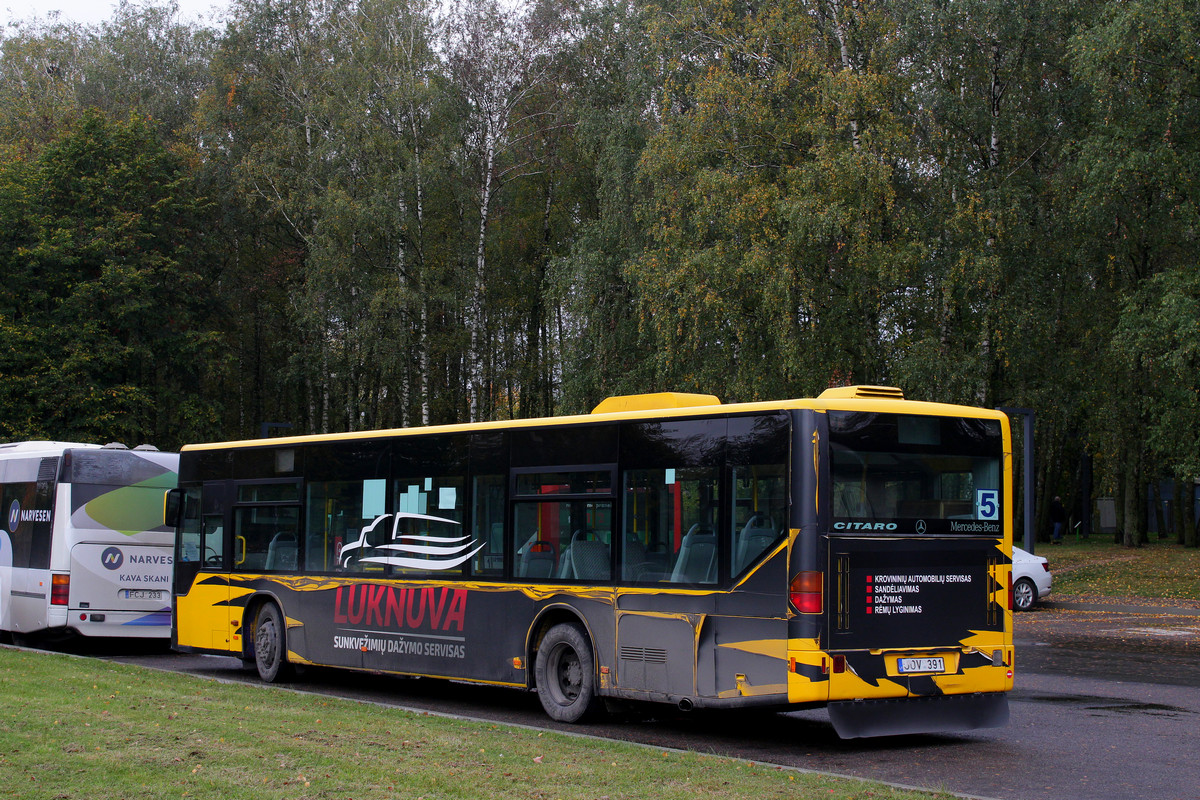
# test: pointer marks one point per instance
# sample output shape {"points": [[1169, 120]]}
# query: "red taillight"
{"points": [[60, 587], [1046, 566], [1011, 599], [805, 592]]}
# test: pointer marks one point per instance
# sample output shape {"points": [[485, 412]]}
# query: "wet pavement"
{"points": [[1122, 640]]}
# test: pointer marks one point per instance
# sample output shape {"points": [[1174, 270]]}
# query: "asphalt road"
{"points": [[1106, 705]]}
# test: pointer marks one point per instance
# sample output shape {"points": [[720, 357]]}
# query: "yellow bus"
{"points": [[851, 551]]}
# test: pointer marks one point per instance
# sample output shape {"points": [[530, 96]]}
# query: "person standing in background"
{"points": [[1058, 519]]}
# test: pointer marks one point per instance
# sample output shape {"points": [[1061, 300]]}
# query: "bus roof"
{"points": [[57, 448], [47, 447], [656, 405]]}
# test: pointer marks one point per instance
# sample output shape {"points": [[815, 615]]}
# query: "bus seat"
{"points": [[281, 552], [537, 561], [589, 560], [586, 558], [757, 535], [634, 561], [697, 560]]}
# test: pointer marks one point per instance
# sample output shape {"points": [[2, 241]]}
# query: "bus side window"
{"points": [[670, 526], [191, 535], [647, 521], [20, 540], [427, 535], [337, 512], [488, 524], [261, 535], [759, 512], [213, 544]]}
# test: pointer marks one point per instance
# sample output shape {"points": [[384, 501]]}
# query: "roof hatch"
{"points": [[651, 402], [863, 393]]}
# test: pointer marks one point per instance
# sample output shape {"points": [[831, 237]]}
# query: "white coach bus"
{"points": [[83, 550]]}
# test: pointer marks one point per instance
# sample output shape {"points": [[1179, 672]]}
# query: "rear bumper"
{"points": [[854, 719], [120, 624]]}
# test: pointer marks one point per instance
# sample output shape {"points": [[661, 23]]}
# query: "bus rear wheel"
{"points": [[565, 671], [270, 644]]}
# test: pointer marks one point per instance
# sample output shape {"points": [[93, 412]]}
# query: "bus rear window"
{"points": [[903, 474]]}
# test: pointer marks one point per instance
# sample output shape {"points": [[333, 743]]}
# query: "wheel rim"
{"points": [[1024, 594], [568, 674], [265, 642]]}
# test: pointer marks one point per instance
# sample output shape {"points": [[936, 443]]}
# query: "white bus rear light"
{"points": [[60, 589]]}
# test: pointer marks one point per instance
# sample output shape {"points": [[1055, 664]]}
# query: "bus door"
{"points": [[266, 536], [201, 561], [25, 558]]}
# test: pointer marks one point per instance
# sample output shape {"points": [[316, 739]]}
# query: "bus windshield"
{"points": [[907, 474]]}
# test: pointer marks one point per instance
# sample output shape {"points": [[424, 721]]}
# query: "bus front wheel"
{"points": [[270, 644], [565, 671]]}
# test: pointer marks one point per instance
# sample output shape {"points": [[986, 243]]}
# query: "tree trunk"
{"points": [[478, 378], [1142, 508], [1179, 517], [1132, 485], [1158, 498], [1192, 528]]}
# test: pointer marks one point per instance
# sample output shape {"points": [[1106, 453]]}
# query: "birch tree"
{"points": [[499, 59]]}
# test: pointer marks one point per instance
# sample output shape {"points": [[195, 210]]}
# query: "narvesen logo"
{"points": [[17, 515], [112, 558], [864, 526]]}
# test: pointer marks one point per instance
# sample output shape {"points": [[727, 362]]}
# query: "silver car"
{"points": [[1031, 579]]}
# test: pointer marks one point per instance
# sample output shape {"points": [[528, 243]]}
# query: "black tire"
{"points": [[565, 671], [270, 644], [1024, 595]]}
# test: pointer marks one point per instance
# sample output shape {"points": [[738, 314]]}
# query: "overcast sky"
{"points": [[93, 11]]}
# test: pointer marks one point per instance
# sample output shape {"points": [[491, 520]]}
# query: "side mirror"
{"points": [[172, 505]]}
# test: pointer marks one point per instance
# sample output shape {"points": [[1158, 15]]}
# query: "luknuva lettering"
{"points": [[401, 607]]}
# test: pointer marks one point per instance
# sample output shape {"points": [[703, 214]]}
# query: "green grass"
{"points": [[86, 728], [1098, 567]]}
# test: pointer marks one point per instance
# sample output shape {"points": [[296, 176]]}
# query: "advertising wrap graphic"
{"points": [[406, 620], [389, 545]]}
